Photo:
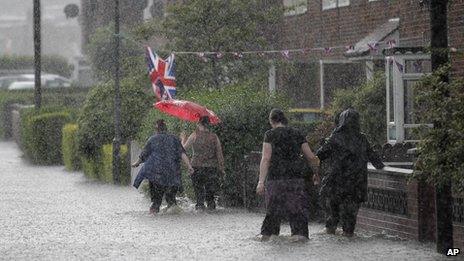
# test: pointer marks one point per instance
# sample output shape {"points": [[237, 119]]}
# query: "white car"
{"points": [[14, 86], [23, 82]]}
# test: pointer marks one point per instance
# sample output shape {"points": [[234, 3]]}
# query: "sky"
{"points": [[21, 7]]}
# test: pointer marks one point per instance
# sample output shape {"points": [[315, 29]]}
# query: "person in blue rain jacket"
{"points": [[161, 159]]}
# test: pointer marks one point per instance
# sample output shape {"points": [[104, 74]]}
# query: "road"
{"points": [[47, 213]]}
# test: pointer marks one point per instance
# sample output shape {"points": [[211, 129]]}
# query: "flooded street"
{"points": [[49, 214]]}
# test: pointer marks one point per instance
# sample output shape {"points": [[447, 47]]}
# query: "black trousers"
{"points": [[157, 192], [205, 183], [344, 210], [286, 199]]}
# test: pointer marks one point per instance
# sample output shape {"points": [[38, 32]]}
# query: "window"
{"points": [[295, 7], [403, 113], [329, 4]]}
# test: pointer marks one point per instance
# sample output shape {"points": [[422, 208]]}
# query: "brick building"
{"points": [[339, 23]]}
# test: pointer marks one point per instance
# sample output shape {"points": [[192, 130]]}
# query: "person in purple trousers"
{"points": [[281, 178]]}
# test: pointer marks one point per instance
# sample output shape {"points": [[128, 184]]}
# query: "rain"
{"points": [[231, 130]]}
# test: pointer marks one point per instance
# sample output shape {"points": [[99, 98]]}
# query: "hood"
{"points": [[349, 121]]}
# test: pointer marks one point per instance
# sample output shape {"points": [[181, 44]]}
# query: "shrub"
{"points": [[370, 101], [441, 149], [91, 166], [244, 113], [50, 64], [69, 147], [69, 98], [106, 174], [41, 135], [100, 165], [96, 124]]}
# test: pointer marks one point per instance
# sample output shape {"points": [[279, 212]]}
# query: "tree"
{"points": [[101, 53], [220, 26]]}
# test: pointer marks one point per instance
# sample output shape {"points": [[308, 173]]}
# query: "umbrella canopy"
{"points": [[186, 110]]}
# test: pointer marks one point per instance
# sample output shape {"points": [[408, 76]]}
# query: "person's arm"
{"points": [[186, 160], [186, 143], [220, 156], [264, 167], [374, 158], [143, 155], [313, 160]]}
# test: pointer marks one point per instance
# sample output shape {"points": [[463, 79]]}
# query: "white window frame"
{"points": [[398, 96], [295, 7], [335, 5]]}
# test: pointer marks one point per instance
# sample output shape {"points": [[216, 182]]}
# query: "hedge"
{"points": [[41, 135], [50, 63], [106, 174], [63, 97], [100, 166], [69, 147]]}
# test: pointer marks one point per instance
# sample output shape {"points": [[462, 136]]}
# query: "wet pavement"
{"points": [[47, 213]]}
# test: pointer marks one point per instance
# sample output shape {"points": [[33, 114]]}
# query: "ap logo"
{"points": [[453, 252]]}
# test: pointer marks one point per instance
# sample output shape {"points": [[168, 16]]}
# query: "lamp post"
{"points": [[439, 57], [117, 100], [37, 56]]}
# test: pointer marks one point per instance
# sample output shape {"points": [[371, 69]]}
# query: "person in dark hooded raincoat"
{"points": [[344, 187], [161, 157]]}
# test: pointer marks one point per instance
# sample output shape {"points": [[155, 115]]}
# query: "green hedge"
{"points": [[96, 123], [106, 174], [69, 98], [100, 166], [69, 148], [41, 135], [244, 112], [50, 63]]}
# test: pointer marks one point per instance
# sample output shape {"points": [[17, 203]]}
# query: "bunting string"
{"points": [[288, 54]]}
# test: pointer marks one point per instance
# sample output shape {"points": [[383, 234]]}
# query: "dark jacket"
{"points": [[347, 151], [161, 157]]}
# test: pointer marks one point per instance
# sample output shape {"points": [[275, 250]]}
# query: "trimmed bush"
{"points": [[106, 174], [96, 123], [65, 97], [50, 63], [41, 135], [91, 166], [100, 166], [69, 148]]}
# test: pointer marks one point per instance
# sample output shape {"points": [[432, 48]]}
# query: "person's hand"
{"points": [[135, 164], [190, 170], [182, 135], [260, 188], [316, 179]]}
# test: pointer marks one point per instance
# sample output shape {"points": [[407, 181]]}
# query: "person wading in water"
{"points": [[281, 179], [344, 187], [207, 162], [161, 157]]}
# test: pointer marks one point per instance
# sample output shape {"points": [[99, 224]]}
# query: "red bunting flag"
{"points": [[328, 50], [219, 55], [238, 55], [286, 54]]}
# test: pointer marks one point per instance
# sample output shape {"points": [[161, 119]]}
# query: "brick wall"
{"points": [[405, 225], [347, 25]]}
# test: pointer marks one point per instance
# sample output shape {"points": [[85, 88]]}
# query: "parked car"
{"points": [[5, 81], [23, 82]]}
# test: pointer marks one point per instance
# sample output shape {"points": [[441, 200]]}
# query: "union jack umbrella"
{"points": [[162, 76]]}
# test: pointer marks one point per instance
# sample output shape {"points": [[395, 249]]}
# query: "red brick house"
{"points": [[357, 23], [340, 23]]}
